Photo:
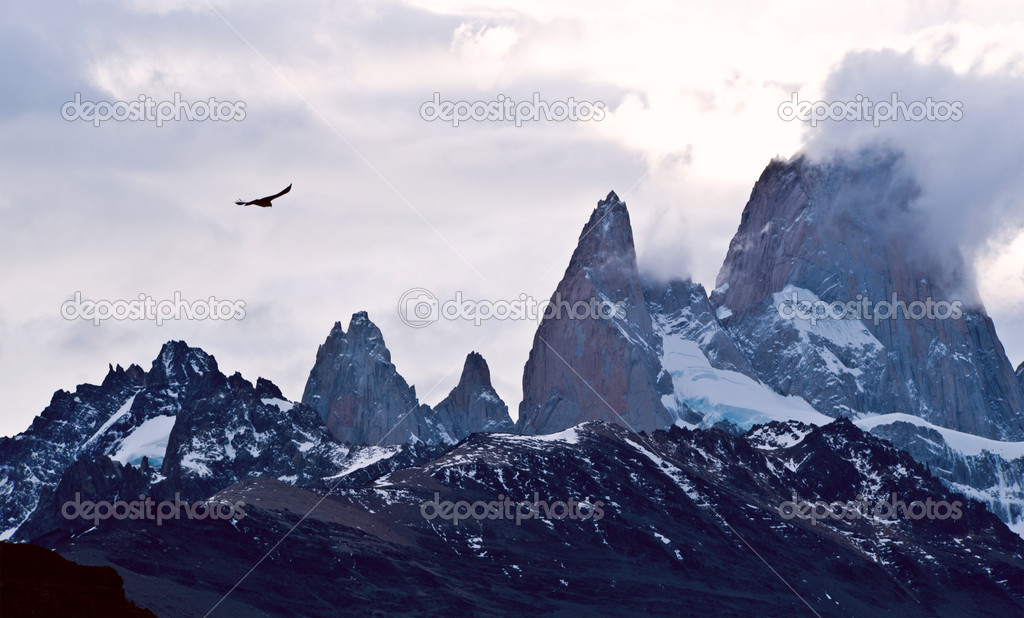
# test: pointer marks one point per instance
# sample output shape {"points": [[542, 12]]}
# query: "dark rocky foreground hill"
{"points": [[680, 522], [35, 581]]}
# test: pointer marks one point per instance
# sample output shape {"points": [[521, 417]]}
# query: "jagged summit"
{"points": [[357, 389], [134, 374], [607, 235], [596, 366], [474, 406], [846, 229], [178, 363], [265, 389], [475, 372], [364, 400]]}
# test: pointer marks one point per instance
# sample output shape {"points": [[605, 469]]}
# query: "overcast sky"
{"points": [[384, 201]]}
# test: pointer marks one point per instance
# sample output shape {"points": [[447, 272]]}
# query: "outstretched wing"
{"points": [[242, 203], [274, 197]]}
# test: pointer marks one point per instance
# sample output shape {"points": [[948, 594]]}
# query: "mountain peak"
{"points": [[611, 199], [116, 375], [179, 363], [608, 234], [846, 229], [473, 406], [475, 370], [359, 393], [265, 389], [597, 366]]}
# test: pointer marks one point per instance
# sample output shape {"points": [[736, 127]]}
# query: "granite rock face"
{"points": [[848, 230], [604, 366], [473, 405], [363, 399], [360, 395]]}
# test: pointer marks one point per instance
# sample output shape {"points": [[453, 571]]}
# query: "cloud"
{"points": [[972, 191], [966, 168]]}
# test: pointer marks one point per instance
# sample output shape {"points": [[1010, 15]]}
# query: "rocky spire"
{"points": [[361, 396], [595, 356], [473, 406]]}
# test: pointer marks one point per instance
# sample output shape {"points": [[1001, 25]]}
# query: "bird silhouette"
{"points": [[264, 202]]}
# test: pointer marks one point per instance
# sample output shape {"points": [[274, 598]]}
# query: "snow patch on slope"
{"points": [[147, 440], [116, 416], [965, 443], [842, 333], [723, 395]]}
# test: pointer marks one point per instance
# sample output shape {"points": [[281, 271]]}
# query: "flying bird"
{"points": [[264, 202]]}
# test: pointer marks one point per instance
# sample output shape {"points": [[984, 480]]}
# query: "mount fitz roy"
{"points": [[690, 416], [832, 231]]}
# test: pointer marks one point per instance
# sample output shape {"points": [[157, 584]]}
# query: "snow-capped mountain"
{"points": [[687, 421], [362, 398], [712, 363], [675, 522], [598, 366], [183, 426], [849, 230], [712, 381], [37, 457]]}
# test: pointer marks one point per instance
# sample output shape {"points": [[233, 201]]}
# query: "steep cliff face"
{"points": [[361, 396], [848, 230], [473, 405], [595, 357]]}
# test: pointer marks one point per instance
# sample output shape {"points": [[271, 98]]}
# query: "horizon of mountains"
{"points": [[691, 415]]}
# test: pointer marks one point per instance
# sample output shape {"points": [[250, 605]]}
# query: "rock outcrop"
{"points": [[473, 405], [683, 310], [360, 395], [849, 230], [595, 355]]}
